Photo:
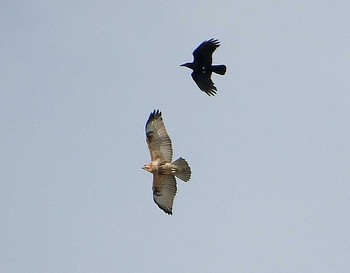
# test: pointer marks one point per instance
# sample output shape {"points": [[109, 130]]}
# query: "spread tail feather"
{"points": [[219, 69], [183, 170]]}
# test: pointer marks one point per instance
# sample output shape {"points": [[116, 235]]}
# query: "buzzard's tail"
{"points": [[219, 69], [183, 170]]}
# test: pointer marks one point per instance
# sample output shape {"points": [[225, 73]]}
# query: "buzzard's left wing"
{"points": [[164, 191], [158, 140]]}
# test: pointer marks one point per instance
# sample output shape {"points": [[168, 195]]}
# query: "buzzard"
{"points": [[202, 66], [163, 170]]}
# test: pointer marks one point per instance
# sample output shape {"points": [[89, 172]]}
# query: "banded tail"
{"points": [[183, 171]]}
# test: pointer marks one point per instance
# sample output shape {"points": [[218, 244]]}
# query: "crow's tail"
{"points": [[219, 69]]}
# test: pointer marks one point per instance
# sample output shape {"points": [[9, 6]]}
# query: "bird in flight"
{"points": [[202, 66], [163, 170]]}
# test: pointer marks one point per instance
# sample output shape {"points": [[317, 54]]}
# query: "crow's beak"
{"points": [[182, 64]]}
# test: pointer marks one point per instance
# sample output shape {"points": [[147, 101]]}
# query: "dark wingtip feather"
{"points": [[154, 115], [211, 93], [167, 211], [214, 42]]}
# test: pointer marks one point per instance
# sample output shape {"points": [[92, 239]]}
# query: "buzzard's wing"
{"points": [[158, 141], [203, 53], [164, 190], [204, 82]]}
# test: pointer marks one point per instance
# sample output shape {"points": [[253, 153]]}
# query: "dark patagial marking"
{"points": [[150, 136]]}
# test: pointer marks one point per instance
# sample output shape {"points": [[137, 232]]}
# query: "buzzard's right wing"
{"points": [[158, 140]]}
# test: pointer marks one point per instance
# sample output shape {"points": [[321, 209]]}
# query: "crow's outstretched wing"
{"points": [[202, 55], [204, 82]]}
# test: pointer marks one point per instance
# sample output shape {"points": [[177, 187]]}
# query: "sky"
{"points": [[269, 153]]}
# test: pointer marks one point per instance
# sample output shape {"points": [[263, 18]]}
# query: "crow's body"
{"points": [[202, 66]]}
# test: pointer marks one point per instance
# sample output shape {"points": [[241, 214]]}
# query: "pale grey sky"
{"points": [[269, 154]]}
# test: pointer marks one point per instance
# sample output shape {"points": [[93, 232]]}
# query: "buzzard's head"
{"points": [[146, 168]]}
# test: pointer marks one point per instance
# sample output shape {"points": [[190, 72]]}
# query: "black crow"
{"points": [[202, 66]]}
